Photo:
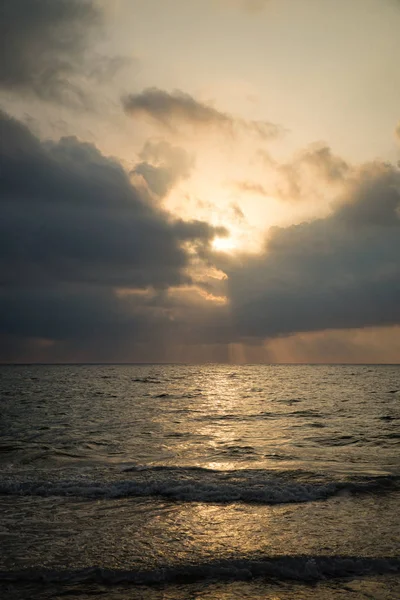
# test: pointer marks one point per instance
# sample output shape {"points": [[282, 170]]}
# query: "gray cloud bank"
{"points": [[339, 272], [73, 228], [91, 271], [92, 268], [69, 212]]}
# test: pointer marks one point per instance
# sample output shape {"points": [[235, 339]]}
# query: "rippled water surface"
{"points": [[199, 482]]}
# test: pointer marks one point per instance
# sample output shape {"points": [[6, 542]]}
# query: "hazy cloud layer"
{"points": [[342, 271], [177, 109], [163, 166], [46, 49], [367, 345], [250, 6], [307, 175], [250, 187], [254, 5]]}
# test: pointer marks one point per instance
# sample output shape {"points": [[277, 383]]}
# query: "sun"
{"points": [[223, 244]]}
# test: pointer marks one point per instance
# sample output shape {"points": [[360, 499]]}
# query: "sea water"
{"points": [[188, 482]]}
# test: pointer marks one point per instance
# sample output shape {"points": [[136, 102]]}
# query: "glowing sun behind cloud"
{"points": [[224, 244]]}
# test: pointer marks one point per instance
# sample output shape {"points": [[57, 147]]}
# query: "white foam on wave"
{"points": [[193, 484]]}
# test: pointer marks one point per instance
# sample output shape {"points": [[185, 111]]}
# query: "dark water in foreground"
{"points": [[206, 482]]}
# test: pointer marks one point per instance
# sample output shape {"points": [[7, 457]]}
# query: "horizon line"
{"points": [[76, 364]]}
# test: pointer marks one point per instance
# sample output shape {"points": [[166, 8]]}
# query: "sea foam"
{"points": [[191, 484]]}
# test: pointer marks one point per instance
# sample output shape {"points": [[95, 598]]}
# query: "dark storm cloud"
{"points": [[91, 271], [171, 110], [342, 271], [73, 229], [69, 213], [60, 312], [82, 323], [45, 47]]}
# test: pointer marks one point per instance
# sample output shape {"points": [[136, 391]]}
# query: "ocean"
{"points": [[185, 482]]}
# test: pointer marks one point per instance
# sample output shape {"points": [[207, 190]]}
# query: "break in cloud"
{"points": [[338, 272], [371, 345], [177, 109]]}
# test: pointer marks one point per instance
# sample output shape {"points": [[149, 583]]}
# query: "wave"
{"points": [[196, 484], [286, 568], [260, 416], [186, 395]]}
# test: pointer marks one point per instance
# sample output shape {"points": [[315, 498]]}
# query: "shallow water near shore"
{"points": [[166, 481]]}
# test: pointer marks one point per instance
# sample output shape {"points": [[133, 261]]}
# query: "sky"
{"points": [[203, 181]]}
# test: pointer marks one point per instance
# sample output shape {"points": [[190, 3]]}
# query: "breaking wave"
{"points": [[195, 484], [286, 568]]}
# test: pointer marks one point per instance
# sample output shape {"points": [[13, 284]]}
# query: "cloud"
{"points": [[91, 271], [314, 172], [323, 162], [163, 166], [174, 110], [309, 174], [397, 132], [254, 5], [250, 6], [46, 48], [69, 212], [96, 324], [338, 272], [250, 187], [73, 231], [237, 213]]}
